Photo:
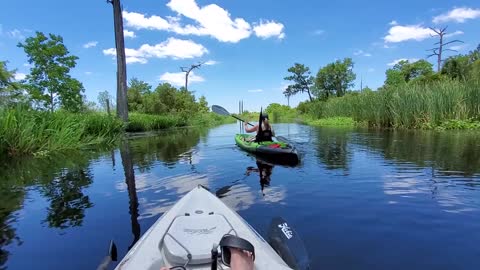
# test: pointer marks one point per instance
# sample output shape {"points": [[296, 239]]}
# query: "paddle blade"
{"points": [[220, 110], [288, 244], [112, 251], [112, 256]]}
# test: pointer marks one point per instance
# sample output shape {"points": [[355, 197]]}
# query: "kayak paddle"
{"points": [[288, 244], [222, 111], [111, 256]]}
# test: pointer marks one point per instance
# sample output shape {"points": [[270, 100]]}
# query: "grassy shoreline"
{"points": [[439, 105], [26, 132], [350, 122]]}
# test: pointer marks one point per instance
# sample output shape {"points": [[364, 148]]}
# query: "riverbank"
{"points": [[439, 105], [26, 132], [350, 122]]}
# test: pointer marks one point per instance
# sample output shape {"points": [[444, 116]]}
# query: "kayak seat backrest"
{"points": [[194, 234]]}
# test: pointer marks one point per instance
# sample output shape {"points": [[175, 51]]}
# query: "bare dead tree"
{"points": [[122, 103], [438, 51], [187, 71]]}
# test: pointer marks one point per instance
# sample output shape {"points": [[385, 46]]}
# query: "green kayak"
{"points": [[275, 151]]}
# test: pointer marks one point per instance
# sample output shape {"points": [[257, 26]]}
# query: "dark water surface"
{"points": [[360, 199]]}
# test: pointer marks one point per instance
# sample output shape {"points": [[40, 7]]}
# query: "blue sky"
{"points": [[250, 44]]}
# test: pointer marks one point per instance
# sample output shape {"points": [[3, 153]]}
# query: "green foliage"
{"points": [[404, 72], [459, 124], [395, 77], [49, 83], [332, 121], [103, 98], [301, 79], [406, 106], [9, 89], [137, 92], [147, 122], [281, 113], [457, 67], [25, 131], [463, 67], [203, 105], [334, 79], [165, 99]]}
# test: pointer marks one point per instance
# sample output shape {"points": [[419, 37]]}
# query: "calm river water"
{"points": [[361, 199]]}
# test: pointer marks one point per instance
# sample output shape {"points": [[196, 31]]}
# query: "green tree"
{"points": [[457, 67], [49, 82], [302, 81], [9, 89], [105, 100], [203, 105], [137, 91], [334, 79], [395, 77], [405, 72], [185, 101]]}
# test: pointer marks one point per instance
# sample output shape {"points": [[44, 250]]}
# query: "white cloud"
{"points": [[19, 76], [371, 70], [88, 73], [399, 33], [16, 34], [393, 22], [318, 32], [139, 21], [458, 47], [361, 53], [210, 20], [172, 47], [134, 59], [178, 78], [459, 15], [210, 63], [396, 61], [456, 33], [129, 34], [268, 29], [28, 65], [255, 90], [90, 44]]}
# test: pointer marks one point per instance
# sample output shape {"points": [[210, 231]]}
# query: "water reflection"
{"points": [[332, 148], [61, 179], [447, 153], [264, 171], [129, 172], [11, 199], [166, 147], [67, 200], [430, 178]]}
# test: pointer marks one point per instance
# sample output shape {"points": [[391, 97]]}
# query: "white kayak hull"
{"points": [[186, 233]]}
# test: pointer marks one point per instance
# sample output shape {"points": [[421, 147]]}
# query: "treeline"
{"points": [[413, 94], [47, 110], [164, 99]]}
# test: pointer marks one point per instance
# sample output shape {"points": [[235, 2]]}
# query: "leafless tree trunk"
{"points": [[438, 51], [51, 101], [122, 106], [108, 106], [187, 71]]}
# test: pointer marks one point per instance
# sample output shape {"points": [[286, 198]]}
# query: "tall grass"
{"points": [[24, 131], [146, 122], [409, 106]]}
